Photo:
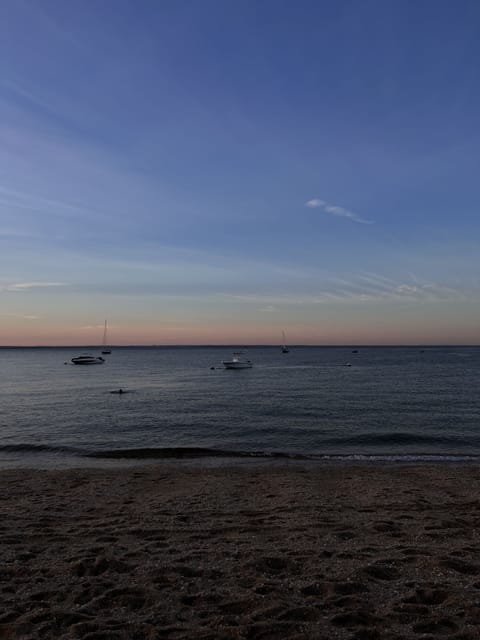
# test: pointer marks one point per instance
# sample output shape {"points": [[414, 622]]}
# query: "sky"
{"points": [[218, 172]]}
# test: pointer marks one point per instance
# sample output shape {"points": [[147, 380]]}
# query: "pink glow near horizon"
{"points": [[218, 335]]}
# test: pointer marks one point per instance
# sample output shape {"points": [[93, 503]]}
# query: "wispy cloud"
{"points": [[314, 203], [335, 210], [33, 202], [90, 327], [26, 286], [23, 316], [13, 233], [270, 308], [360, 288]]}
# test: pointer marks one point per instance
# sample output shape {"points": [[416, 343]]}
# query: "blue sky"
{"points": [[215, 171]]}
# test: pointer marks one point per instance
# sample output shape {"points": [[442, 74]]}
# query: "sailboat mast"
{"points": [[284, 345], [105, 348]]}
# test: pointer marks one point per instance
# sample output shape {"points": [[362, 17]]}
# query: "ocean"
{"points": [[319, 403]]}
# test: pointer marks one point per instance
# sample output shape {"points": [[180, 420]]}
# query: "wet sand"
{"points": [[363, 552]]}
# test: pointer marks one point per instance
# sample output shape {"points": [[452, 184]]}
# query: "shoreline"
{"points": [[46, 458], [363, 551]]}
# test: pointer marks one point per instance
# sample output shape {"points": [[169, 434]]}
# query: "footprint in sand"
{"points": [[427, 597], [460, 566], [382, 571], [443, 626]]}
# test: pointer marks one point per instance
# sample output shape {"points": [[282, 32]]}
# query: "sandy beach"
{"points": [[279, 551]]}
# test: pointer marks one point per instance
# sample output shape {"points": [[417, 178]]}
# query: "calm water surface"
{"points": [[394, 403]]}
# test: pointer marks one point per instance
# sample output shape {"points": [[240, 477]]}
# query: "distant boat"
{"points": [[87, 359], [236, 362], [285, 349], [105, 349]]}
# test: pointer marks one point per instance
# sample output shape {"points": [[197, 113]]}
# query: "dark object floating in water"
{"points": [[212, 368], [354, 350], [120, 391], [87, 359], [348, 364]]}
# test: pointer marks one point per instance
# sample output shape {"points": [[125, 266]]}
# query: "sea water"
{"points": [[321, 403]]}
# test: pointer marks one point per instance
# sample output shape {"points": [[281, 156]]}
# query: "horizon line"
{"points": [[233, 345]]}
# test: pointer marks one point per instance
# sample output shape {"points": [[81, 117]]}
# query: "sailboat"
{"points": [[285, 349], [105, 348]]}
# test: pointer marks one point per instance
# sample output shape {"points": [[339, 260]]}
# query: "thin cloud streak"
{"points": [[14, 233], [21, 316], [335, 210], [32, 202], [362, 289], [26, 286]]}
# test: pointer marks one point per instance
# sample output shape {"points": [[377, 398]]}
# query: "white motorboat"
{"points": [[87, 359], [236, 362]]}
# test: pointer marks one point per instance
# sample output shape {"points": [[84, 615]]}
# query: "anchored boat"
{"points": [[237, 362], [87, 359]]}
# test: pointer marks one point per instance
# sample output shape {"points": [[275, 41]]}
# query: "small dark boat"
{"points": [[86, 359]]}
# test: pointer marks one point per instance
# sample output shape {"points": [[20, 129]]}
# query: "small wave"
{"points": [[186, 452], [202, 452], [24, 447], [400, 458], [163, 452], [395, 439]]}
